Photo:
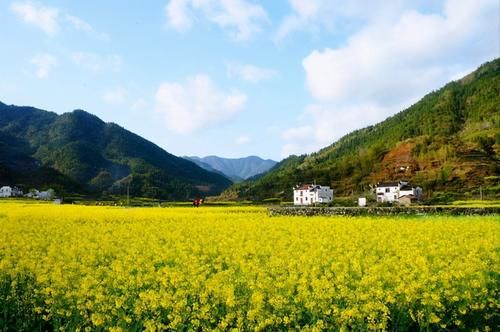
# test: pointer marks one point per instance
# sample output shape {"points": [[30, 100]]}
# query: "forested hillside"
{"points": [[77, 152], [448, 141]]}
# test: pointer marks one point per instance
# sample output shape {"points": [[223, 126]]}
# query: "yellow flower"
{"points": [[236, 268]]}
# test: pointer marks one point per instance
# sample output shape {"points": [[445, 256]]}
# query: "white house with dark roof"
{"points": [[5, 191], [387, 192], [309, 194], [394, 191]]}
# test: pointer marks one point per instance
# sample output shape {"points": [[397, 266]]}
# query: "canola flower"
{"points": [[82, 268]]}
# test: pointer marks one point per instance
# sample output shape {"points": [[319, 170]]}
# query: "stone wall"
{"points": [[381, 211]]}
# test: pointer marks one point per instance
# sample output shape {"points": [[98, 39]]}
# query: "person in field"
{"points": [[197, 202]]}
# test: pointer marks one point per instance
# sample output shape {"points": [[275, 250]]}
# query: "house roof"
{"points": [[406, 187], [387, 184], [310, 187]]}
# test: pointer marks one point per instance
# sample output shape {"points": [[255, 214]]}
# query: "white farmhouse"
{"points": [[309, 194], [5, 191], [393, 191], [387, 192], [46, 195], [43, 195]]}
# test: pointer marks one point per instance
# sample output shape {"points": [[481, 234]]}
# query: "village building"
{"points": [[310, 194], [407, 200], [406, 190], [43, 195], [7, 191], [397, 192], [387, 192], [46, 195]]}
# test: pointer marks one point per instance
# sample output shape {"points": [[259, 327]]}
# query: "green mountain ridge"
{"points": [[447, 141], [77, 151]]}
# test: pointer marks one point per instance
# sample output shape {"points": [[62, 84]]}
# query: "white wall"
{"points": [[5, 191], [305, 197], [390, 195]]}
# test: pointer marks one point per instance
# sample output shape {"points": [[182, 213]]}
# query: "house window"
{"points": [[301, 193], [306, 198], [296, 198], [387, 190], [395, 197]]}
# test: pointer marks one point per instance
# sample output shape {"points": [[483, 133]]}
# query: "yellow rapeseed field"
{"points": [[100, 268]]}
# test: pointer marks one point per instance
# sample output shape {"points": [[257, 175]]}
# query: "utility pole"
{"points": [[128, 190], [128, 193], [156, 194], [481, 192]]}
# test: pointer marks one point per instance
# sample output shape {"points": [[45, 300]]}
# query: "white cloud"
{"points": [[242, 139], [44, 18], [242, 18], [250, 73], [339, 15], [312, 15], [197, 103], [82, 25], [304, 15], [50, 19], [385, 67], [96, 62], [116, 96], [44, 63], [178, 14], [396, 62]]}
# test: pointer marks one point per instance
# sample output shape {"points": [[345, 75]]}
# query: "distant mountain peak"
{"points": [[236, 169], [81, 114]]}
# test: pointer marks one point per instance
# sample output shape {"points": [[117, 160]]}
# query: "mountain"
{"points": [[78, 151], [205, 166], [449, 142], [237, 169]]}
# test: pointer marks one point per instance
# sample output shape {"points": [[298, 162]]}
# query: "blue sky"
{"points": [[239, 77]]}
